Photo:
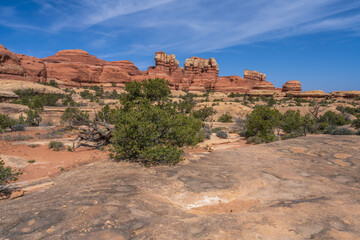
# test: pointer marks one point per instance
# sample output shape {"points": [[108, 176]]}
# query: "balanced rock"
{"points": [[292, 86]]}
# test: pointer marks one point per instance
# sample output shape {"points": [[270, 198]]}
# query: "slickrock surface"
{"points": [[305, 188], [292, 86], [310, 94], [11, 86]]}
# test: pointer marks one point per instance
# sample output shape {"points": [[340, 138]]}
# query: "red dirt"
{"points": [[49, 162]]}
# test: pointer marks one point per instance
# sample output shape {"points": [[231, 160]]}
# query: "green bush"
{"points": [[33, 118], [292, 122], [6, 121], [333, 118], [261, 123], [291, 135], [56, 145], [7, 174], [356, 122], [342, 131], [225, 118], [34, 100], [149, 128], [51, 83], [222, 134], [204, 113]]}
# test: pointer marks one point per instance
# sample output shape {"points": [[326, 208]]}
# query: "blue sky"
{"points": [[314, 41]]}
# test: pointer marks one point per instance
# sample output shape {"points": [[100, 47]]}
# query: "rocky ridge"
{"points": [[75, 68]]}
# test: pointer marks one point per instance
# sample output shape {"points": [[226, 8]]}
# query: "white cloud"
{"points": [[192, 25]]}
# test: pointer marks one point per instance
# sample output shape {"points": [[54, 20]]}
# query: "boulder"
{"points": [[345, 94], [292, 86]]}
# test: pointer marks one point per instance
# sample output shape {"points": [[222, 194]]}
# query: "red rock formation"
{"points": [[254, 75], [76, 67], [292, 86], [21, 67], [264, 85], [10, 64], [34, 68]]}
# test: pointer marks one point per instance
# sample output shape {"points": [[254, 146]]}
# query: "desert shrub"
{"points": [[18, 127], [261, 123], [18, 137], [99, 91], [68, 101], [113, 95], [207, 131], [215, 130], [187, 104], [292, 122], [33, 118], [51, 83], [149, 128], [6, 121], [86, 94], [34, 100], [255, 140], [329, 129], [204, 113], [56, 145], [225, 118], [7, 174], [342, 131], [356, 122], [222, 134], [358, 132], [105, 115], [333, 118], [232, 95], [74, 117], [291, 135]]}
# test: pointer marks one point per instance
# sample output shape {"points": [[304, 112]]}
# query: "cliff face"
{"points": [[78, 67]]}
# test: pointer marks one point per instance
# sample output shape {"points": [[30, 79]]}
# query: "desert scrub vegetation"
{"points": [[225, 118], [7, 174], [56, 145], [204, 113], [72, 116], [149, 128], [222, 134]]}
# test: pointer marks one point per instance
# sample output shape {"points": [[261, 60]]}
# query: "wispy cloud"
{"points": [[143, 26]]}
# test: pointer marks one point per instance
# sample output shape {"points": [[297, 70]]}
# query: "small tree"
{"points": [[261, 123], [7, 174], [149, 128], [204, 113]]}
